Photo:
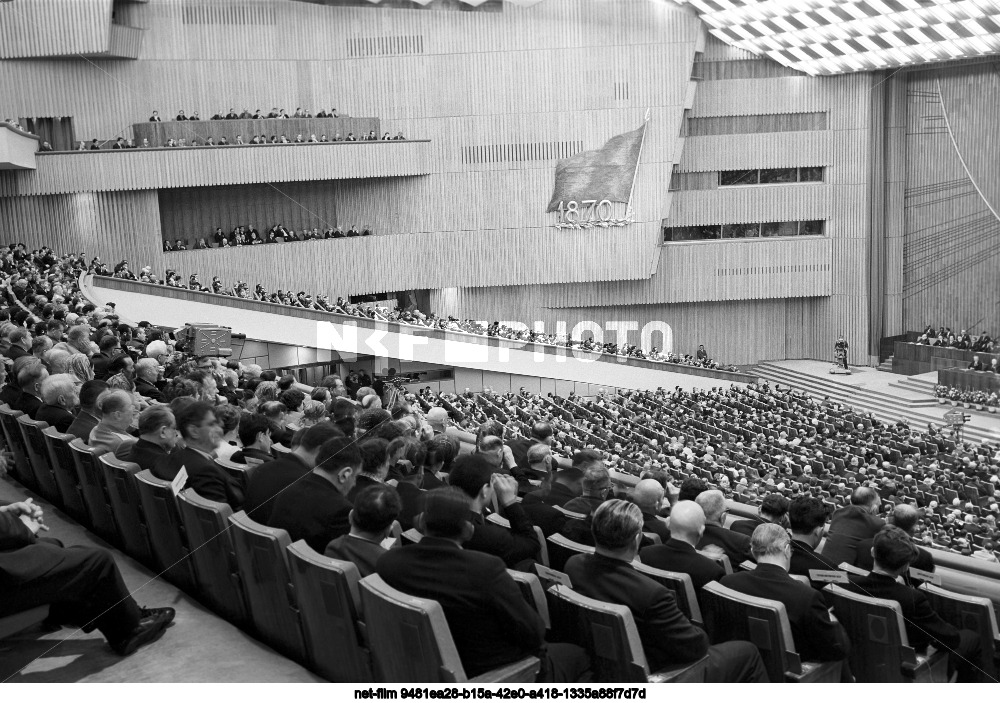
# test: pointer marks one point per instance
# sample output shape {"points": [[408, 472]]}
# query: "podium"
{"points": [[840, 358]]}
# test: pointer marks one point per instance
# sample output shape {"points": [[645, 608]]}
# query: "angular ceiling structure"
{"points": [[826, 37]]}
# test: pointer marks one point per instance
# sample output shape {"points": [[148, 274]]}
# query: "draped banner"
{"points": [[605, 174]]}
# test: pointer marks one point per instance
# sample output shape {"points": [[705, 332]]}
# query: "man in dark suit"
{"points": [[147, 372], [88, 417], [255, 437], [274, 476], [905, 517], [29, 380], [474, 475], [375, 510], [774, 509], [315, 507], [853, 524], [490, 621], [541, 433], [817, 637], [80, 584], [687, 524], [567, 484], [110, 347], [668, 638], [807, 517], [20, 343], [894, 551], [60, 396], [733, 544], [201, 431], [158, 436]]}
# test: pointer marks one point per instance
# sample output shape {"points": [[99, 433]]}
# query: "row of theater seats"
{"points": [[306, 606], [317, 610]]}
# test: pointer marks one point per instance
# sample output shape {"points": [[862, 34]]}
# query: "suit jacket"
{"points": [[491, 622], [677, 555], [513, 545], [82, 425], [583, 504], [259, 456], [16, 351], [356, 550], [667, 636], [558, 494], [544, 516], [148, 390], [746, 527], [312, 509], [923, 625], [27, 403], [105, 439], [207, 478], [735, 545], [651, 523], [361, 483], [268, 481], [863, 557], [56, 416], [148, 455], [849, 526], [817, 637], [805, 558], [9, 394]]}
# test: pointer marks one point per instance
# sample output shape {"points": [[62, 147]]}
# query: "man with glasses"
{"points": [[158, 437], [201, 432]]}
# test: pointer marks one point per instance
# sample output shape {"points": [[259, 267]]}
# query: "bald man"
{"points": [[905, 517], [733, 544], [648, 495], [679, 553]]}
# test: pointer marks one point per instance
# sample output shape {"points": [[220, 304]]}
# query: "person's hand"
{"points": [[25, 508], [506, 489], [33, 525]]}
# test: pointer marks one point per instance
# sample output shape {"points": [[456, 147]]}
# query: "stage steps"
{"points": [[885, 407]]}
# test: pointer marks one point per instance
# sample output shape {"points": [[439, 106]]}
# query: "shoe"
{"points": [[151, 626]]}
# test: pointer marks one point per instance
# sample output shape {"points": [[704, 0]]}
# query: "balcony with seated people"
{"points": [[94, 169]]}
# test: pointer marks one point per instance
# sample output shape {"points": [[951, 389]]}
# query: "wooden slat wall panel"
{"points": [[110, 225], [144, 169], [895, 187], [426, 260], [125, 42], [54, 27], [730, 152], [952, 240], [778, 95], [718, 50], [756, 124]]}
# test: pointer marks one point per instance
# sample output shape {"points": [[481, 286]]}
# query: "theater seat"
{"points": [[240, 472], [261, 553], [608, 633], [880, 649], [410, 641], [969, 613], [561, 548], [119, 477], [95, 496], [64, 470], [38, 456], [15, 445], [531, 589], [206, 525], [681, 585], [720, 559], [543, 551], [731, 615], [166, 532], [330, 604]]}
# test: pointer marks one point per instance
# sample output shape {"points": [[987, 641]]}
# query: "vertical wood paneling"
{"points": [[54, 27]]}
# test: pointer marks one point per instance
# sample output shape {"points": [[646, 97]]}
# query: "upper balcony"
{"points": [[17, 148], [152, 169]]}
